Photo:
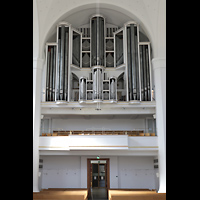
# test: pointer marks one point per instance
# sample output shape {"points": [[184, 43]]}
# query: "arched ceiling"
{"points": [[112, 17], [82, 17]]}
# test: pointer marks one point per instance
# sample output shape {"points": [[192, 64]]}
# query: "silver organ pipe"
{"points": [[62, 59], [50, 73], [142, 73], [145, 73], [113, 89], [129, 64], [97, 82], [97, 41], [54, 72], [62, 63], [82, 85], [59, 55], [58, 72], [47, 76], [148, 75], [66, 66], [133, 61]]}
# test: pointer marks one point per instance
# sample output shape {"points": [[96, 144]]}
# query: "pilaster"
{"points": [[37, 78], [159, 68]]}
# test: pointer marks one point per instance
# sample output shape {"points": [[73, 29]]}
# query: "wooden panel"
{"points": [[129, 194]]}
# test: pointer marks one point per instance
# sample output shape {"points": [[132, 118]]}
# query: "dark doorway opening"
{"points": [[98, 178]]}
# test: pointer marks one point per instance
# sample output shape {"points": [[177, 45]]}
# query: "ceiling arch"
{"points": [[79, 15]]}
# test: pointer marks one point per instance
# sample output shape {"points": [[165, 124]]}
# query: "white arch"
{"points": [[101, 6]]}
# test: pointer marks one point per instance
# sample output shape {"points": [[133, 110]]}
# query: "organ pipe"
{"points": [[97, 82], [129, 63], [148, 75], [113, 88], [133, 60], [133, 63], [97, 41], [145, 73], [58, 72], [141, 73], [50, 73], [137, 62], [62, 64], [66, 66], [54, 72], [82, 83]]}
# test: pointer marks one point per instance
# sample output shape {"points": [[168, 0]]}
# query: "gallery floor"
{"points": [[98, 194]]}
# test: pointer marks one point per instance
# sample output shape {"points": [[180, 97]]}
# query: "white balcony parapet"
{"points": [[98, 142]]}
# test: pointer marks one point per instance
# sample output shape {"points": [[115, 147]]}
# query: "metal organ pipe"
{"points": [[50, 73], [133, 61], [141, 73], [97, 40], [148, 74], [129, 64], [54, 72], [47, 76], [112, 89], [66, 66], [145, 73], [58, 72], [82, 89], [62, 63]]}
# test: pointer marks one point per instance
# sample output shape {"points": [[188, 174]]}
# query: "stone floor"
{"points": [[98, 194]]}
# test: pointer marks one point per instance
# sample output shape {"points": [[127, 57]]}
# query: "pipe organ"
{"points": [[98, 62]]}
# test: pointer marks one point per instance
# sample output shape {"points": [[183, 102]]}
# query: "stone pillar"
{"points": [[159, 68], [37, 78]]}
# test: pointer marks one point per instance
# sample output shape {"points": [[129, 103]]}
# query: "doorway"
{"points": [[98, 178]]}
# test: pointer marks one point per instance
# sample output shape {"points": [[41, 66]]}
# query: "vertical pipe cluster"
{"points": [[50, 73], [97, 83], [132, 62], [145, 73], [62, 65], [97, 41]]}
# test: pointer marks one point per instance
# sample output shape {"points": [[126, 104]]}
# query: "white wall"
{"points": [[97, 124], [136, 172], [71, 172], [61, 172]]}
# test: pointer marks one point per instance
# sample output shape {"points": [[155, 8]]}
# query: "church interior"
{"points": [[99, 99]]}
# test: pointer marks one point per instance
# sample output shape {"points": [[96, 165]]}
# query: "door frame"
{"points": [[89, 173]]}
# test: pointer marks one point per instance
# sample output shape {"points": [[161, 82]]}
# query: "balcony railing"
{"points": [[98, 142], [81, 132]]}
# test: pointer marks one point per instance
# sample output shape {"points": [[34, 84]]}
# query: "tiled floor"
{"points": [[98, 194]]}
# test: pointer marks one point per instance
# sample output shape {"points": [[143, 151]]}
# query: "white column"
{"points": [[37, 76], [159, 67]]}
